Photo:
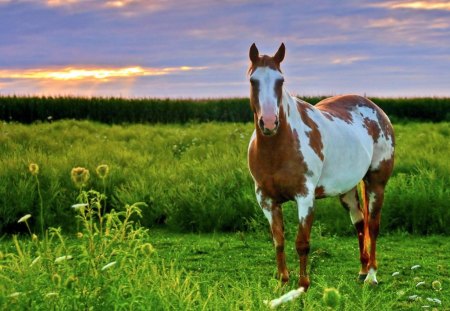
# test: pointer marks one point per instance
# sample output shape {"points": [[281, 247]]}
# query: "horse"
{"points": [[300, 152]]}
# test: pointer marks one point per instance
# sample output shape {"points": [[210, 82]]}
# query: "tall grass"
{"points": [[194, 177], [153, 110]]}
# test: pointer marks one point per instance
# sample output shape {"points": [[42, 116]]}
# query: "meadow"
{"points": [[174, 224], [194, 177]]}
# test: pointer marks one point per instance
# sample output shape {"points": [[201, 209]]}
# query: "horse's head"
{"points": [[266, 82]]}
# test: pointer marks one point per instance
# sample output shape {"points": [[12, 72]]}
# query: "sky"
{"points": [[199, 48]]}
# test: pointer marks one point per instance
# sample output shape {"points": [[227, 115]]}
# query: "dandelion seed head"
{"points": [[436, 285], [34, 169], [24, 218], [80, 176], [102, 171], [331, 297]]}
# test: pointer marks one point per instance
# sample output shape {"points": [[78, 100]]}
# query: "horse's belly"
{"points": [[344, 167]]}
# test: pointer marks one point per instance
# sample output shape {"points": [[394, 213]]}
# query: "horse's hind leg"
{"points": [[350, 201], [375, 181]]}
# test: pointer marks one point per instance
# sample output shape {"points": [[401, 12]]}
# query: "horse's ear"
{"points": [[253, 53], [279, 55]]}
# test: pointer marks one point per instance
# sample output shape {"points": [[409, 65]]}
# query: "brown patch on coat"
{"points": [[339, 107], [373, 128], [320, 192], [276, 163], [315, 138], [264, 61]]}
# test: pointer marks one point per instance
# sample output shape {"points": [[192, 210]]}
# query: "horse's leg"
{"points": [[306, 214], [274, 215], [375, 181], [350, 201]]}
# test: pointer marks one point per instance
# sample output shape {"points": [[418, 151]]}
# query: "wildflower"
{"points": [[80, 176], [24, 218], [102, 171], [395, 273], [63, 258], [34, 169], [436, 285], [107, 266], [331, 297], [415, 267]]}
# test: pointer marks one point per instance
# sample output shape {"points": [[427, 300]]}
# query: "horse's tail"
{"points": [[365, 208]]}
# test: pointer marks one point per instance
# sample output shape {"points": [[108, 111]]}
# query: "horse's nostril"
{"points": [[261, 123]]}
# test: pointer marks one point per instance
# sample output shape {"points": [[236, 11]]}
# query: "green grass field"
{"points": [[162, 270], [193, 178]]}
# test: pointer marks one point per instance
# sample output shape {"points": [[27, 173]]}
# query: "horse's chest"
{"points": [[280, 175]]}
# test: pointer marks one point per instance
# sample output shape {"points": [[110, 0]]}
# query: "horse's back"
{"points": [[358, 137]]}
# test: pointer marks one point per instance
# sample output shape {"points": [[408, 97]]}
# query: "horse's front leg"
{"points": [[274, 215], [305, 206]]}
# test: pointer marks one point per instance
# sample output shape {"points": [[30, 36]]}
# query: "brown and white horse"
{"points": [[302, 152]]}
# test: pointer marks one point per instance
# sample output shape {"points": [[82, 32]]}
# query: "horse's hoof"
{"points": [[304, 282], [362, 277], [371, 277]]}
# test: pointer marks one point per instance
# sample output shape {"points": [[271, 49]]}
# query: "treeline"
{"points": [[151, 110]]}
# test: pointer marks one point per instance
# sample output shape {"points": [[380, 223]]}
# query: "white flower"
{"points": [[107, 266], [63, 258], [395, 273], [79, 205], [415, 267], [24, 218]]}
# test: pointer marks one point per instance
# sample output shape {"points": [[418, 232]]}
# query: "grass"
{"points": [[162, 270], [194, 177]]}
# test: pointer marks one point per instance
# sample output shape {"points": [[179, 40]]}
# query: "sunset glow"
{"points": [[72, 73], [418, 5]]}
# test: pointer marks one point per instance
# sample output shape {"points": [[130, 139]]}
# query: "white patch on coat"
{"points": [[268, 100], [265, 204], [371, 277], [356, 214], [305, 206], [372, 199]]}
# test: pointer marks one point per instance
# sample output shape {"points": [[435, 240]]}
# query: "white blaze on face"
{"points": [[267, 78]]}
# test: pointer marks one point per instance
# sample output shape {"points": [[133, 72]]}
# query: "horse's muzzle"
{"points": [[269, 125]]}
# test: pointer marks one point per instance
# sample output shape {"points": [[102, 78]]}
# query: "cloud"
{"points": [[415, 5], [79, 73], [347, 60]]}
